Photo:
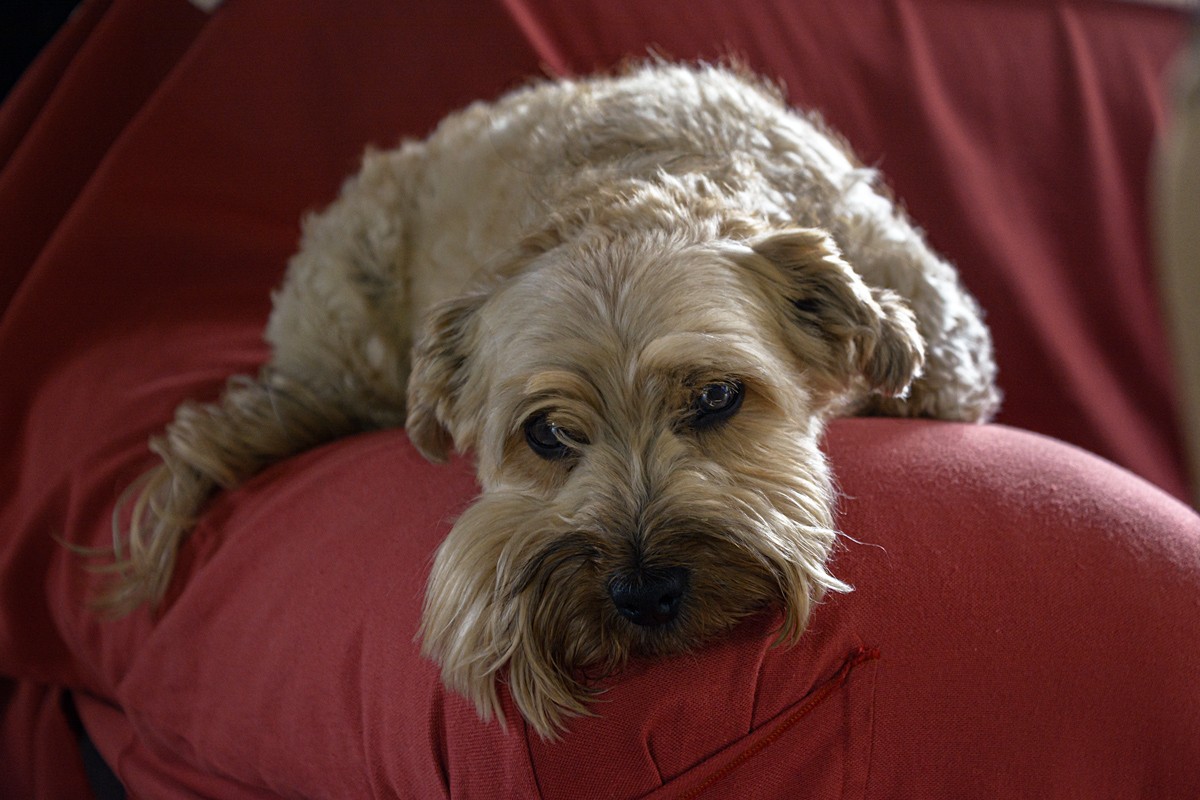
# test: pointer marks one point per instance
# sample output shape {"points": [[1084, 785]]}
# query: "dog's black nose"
{"points": [[649, 597]]}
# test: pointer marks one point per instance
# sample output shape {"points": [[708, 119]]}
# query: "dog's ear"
{"points": [[841, 326], [439, 358]]}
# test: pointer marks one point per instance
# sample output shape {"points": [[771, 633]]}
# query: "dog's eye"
{"points": [[716, 402], [550, 441]]}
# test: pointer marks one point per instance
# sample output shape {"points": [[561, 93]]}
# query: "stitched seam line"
{"points": [[856, 657]]}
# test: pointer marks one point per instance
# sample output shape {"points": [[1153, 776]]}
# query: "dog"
{"points": [[636, 299]]}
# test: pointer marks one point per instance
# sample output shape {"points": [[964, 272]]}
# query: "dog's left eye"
{"points": [[548, 440], [716, 402]]}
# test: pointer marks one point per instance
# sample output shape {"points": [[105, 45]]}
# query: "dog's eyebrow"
{"points": [[559, 383], [569, 395], [695, 352]]}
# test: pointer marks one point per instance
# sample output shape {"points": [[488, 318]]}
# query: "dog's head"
{"points": [[645, 413]]}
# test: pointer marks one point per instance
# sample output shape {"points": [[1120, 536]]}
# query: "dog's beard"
{"points": [[520, 588]]}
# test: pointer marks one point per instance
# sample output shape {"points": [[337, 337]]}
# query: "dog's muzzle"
{"points": [[649, 597]]}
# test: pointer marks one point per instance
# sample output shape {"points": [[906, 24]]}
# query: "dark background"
{"points": [[25, 27]]}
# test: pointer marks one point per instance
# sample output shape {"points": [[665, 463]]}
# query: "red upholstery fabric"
{"points": [[60, 120], [1012, 592], [1011, 626]]}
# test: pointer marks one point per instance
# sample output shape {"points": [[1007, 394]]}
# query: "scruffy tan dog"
{"points": [[636, 300]]}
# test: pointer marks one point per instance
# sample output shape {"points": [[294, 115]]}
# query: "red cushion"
{"points": [[1010, 595], [1011, 591]]}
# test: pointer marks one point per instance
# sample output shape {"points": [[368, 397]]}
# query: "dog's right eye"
{"points": [[716, 402], [546, 439]]}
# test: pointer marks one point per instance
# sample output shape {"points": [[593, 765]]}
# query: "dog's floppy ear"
{"points": [[842, 326], [435, 382]]}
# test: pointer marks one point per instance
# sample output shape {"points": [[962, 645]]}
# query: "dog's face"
{"points": [[645, 412]]}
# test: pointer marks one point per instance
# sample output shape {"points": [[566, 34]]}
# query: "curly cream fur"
{"points": [[597, 252]]}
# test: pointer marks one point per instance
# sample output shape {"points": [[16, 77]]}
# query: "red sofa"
{"points": [[1025, 618]]}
